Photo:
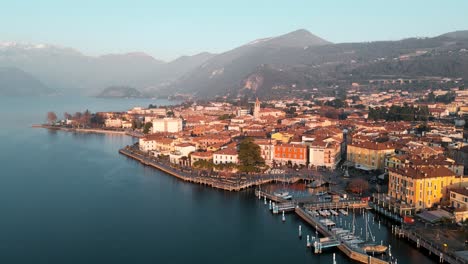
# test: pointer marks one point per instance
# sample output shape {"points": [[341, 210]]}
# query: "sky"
{"points": [[171, 28]]}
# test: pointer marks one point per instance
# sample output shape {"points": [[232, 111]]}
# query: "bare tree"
{"points": [[51, 117], [358, 185], [67, 116]]}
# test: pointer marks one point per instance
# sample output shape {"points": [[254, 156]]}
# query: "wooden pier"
{"points": [[361, 257], [338, 205], [428, 245]]}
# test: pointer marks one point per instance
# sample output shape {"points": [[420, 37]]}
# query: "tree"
{"points": [[203, 164], [67, 116], [357, 185], [225, 116], [51, 117], [249, 156], [147, 127], [336, 103]]}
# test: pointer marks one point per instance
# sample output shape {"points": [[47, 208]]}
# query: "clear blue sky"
{"points": [[170, 28]]}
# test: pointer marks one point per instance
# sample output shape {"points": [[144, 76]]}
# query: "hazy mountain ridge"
{"points": [[68, 70], [297, 58], [322, 64], [15, 82]]}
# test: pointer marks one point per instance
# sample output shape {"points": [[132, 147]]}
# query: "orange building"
{"points": [[290, 154]]}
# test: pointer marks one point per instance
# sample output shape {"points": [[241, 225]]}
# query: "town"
{"points": [[406, 152]]}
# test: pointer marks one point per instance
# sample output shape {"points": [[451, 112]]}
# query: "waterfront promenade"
{"points": [[235, 183]]}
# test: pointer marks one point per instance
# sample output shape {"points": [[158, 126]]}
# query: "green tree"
{"points": [[225, 116], [203, 164], [147, 127], [249, 156]]}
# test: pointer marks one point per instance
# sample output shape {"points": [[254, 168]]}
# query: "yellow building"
{"points": [[368, 155], [281, 136], [420, 187]]}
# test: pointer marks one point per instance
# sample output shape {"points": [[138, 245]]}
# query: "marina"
{"points": [[329, 219]]}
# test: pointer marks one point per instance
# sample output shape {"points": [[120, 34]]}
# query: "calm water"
{"points": [[71, 198]]}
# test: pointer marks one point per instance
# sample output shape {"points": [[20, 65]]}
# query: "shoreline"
{"points": [[85, 130], [226, 185]]}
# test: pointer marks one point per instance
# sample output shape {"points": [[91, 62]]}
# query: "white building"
{"points": [[181, 153], [324, 154], [171, 125], [225, 156], [147, 143], [267, 150]]}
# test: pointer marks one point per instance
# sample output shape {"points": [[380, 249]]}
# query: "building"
{"points": [[148, 143], [171, 125], [282, 136], [181, 153], [290, 154], [324, 154], [420, 187], [267, 150], [127, 124], [113, 122], [368, 155], [256, 110], [459, 201], [225, 156]]}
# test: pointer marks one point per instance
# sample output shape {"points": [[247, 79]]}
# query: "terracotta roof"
{"points": [[462, 191], [423, 172], [373, 145], [226, 151], [202, 154]]}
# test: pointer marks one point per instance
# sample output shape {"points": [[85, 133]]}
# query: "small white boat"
{"points": [[284, 195], [333, 212], [343, 212]]}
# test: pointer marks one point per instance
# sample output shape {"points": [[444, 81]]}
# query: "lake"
{"points": [[71, 198]]}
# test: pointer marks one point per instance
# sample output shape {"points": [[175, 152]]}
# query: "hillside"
{"points": [[265, 66], [15, 82], [322, 64], [120, 92]]}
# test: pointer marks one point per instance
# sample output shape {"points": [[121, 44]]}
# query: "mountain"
{"points": [[15, 82], [461, 34], [68, 70], [120, 92], [300, 60], [223, 73], [265, 67]]}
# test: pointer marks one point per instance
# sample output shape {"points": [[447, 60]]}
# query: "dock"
{"points": [[428, 245], [352, 252]]}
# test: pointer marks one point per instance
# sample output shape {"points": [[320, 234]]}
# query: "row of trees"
{"points": [[80, 119], [400, 113], [445, 98]]}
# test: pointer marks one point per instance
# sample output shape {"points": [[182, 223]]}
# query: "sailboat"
{"points": [[372, 248]]}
